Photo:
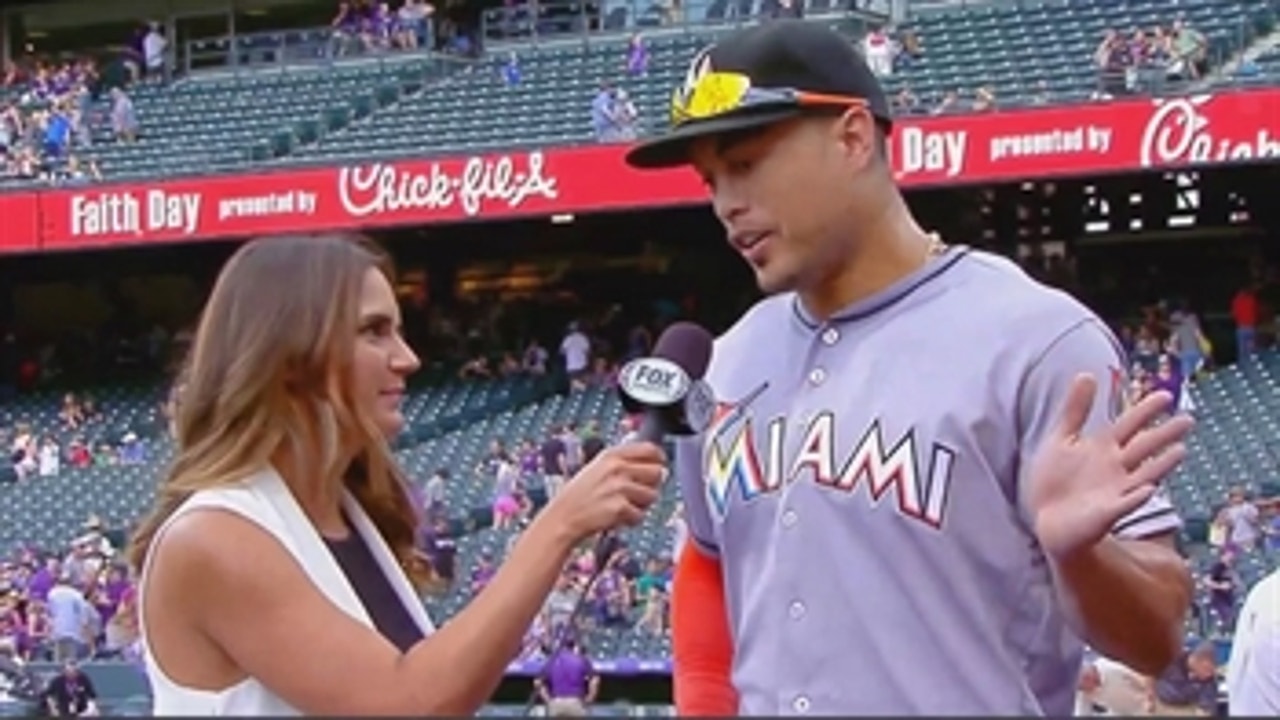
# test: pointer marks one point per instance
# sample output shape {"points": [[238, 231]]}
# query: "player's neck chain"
{"points": [[936, 248]]}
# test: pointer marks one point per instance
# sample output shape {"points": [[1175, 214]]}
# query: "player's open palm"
{"points": [[615, 488], [1081, 485]]}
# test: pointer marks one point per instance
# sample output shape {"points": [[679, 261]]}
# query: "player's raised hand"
{"points": [[1081, 485], [615, 488]]}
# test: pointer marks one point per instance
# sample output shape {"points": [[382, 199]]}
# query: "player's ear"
{"points": [[859, 137]]}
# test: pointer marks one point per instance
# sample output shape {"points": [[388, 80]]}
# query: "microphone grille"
{"points": [[688, 345]]}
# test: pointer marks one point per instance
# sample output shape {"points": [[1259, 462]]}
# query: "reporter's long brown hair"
{"points": [[270, 370]]}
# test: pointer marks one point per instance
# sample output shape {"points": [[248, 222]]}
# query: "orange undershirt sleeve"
{"points": [[701, 644]]}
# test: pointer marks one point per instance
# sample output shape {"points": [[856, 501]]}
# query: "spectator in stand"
{"points": [[509, 505], [1189, 686], [482, 573], [534, 359], [433, 496], [1187, 341], [625, 115], [72, 413], [509, 71], [560, 604], [72, 620], [652, 595], [50, 457], [1244, 311], [1222, 583], [573, 456], [124, 119], [1189, 49], [155, 49], [911, 49], [984, 99], [879, 50], [1112, 59], [77, 172], [1167, 377], [575, 352], [1241, 519], [949, 103], [602, 120], [346, 29], [444, 551], [414, 25], [380, 26], [905, 102], [57, 134], [592, 443], [554, 463], [637, 61]]}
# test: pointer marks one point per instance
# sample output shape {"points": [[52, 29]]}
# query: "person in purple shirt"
{"points": [[637, 55], [44, 579], [482, 573], [569, 682]]}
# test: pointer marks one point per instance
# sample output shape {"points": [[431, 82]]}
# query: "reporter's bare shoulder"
{"points": [[202, 566], [212, 543], [258, 608]]}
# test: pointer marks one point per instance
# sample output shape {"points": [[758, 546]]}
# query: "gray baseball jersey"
{"points": [[863, 485]]}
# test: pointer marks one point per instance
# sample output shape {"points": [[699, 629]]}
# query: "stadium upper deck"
{"points": [[269, 102]]}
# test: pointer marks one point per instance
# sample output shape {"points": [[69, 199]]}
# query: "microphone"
{"points": [[667, 388]]}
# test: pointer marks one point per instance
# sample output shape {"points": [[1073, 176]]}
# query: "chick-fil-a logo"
{"points": [[374, 189], [1181, 131]]}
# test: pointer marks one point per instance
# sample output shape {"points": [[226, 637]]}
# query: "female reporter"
{"points": [[277, 572]]}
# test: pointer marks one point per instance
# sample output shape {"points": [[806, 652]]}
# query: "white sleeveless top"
{"points": [[265, 499]]}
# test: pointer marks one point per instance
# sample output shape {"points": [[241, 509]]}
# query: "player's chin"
{"points": [[772, 279]]}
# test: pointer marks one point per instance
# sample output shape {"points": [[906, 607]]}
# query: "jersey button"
{"points": [[831, 336], [796, 611], [789, 518], [816, 376], [800, 704]]}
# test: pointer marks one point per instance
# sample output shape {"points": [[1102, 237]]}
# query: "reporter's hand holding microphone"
{"points": [[621, 483], [470, 653], [613, 490]]}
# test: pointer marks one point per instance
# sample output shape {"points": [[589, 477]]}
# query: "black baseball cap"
{"points": [[759, 76]]}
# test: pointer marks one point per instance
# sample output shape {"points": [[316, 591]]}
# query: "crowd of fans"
{"points": [[631, 591], [1146, 60], [52, 113], [51, 116]]}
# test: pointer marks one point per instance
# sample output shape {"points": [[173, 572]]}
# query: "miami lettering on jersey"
{"points": [[734, 465]]}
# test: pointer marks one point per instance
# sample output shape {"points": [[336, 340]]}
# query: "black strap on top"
{"points": [[376, 593]]}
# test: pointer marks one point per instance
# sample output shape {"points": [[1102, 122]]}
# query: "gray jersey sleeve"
{"points": [[687, 469], [1088, 347]]}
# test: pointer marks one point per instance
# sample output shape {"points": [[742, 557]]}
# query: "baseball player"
{"points": [[922, 488]]}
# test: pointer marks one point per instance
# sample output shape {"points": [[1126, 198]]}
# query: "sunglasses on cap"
{"points": [[720, 93]]}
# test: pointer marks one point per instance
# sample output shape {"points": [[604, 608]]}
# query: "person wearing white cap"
{"points": [[1253, 669]]}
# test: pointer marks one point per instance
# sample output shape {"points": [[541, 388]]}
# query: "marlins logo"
{"points": [[698, 69]]}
